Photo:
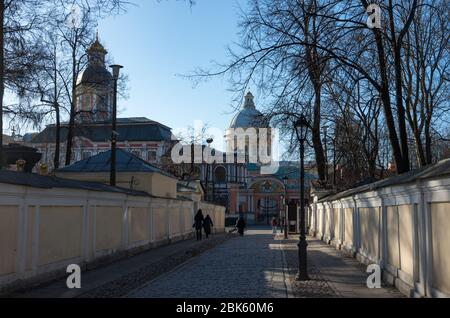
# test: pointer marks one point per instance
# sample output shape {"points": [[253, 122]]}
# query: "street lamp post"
{"points": [[301, 128], [325, 133], [286, 207], [209, 142], [113, 178], [281, 212]]}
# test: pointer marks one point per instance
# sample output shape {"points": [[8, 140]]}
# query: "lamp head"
{"points": [[116, 70], [301, 127]]}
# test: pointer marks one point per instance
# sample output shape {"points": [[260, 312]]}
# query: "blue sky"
{"points": [[157, 40]]}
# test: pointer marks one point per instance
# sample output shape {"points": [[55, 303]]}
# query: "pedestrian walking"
{"points": [[198, 224], [241, 225], [207, 226], [274, 225]]}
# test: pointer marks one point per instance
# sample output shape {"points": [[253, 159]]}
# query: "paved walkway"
{"points": [[259, 266], [244, 267], [333, 273]]}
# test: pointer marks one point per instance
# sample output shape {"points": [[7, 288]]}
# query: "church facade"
{"points": [[242, 187]]}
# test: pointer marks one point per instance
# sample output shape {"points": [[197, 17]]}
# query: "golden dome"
{"points": [[97, 47]]}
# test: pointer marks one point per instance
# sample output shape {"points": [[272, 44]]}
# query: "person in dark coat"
{"points": [[241, 225], [207, 225], [198, 225]]}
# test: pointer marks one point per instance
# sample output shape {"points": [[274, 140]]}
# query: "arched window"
{"points": [[220, 175], [197, 172]]}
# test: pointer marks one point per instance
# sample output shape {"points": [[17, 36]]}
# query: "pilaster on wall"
{"points": [[356, 227], [341, 224], [152, 224], [21, 238], [169, 220], [85, 232], [329, 211], [422, 286], [338, 238], [383, 235], [35, 244], [427, 248], [125, 226]]}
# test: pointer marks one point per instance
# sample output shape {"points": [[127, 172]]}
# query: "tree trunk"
{"points": [[316, 137], [2, 75], [402, 165], [428, 144], [70, 134], [397, 48], [58, 116], [385, 97], [314, 72], [58, 137], [419, 148]]}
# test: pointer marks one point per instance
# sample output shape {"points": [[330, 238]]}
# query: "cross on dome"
{"points": [[249, 101]]}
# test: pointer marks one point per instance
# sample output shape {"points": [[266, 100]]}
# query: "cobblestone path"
{"points": [[260, 265], [253, 266]]}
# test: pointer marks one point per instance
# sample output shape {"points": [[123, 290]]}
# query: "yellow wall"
{"points": [[348, 224], [370, 229], [108, 228], [405, 213], [188, 222], [175, 221], [163, 186], [327, 222], [336, 223], [30, 236], [8, 238], [138, 224], [153, 183], [400, 237], [160, 223], [87, 225], [91, 232], [393, 252], [65, 224], [440, 221], [320, 222]]}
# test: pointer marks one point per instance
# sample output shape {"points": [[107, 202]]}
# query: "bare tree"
{"points": [[18, 19], [426, 67]]}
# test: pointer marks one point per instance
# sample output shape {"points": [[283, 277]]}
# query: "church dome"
{"points": [[94, 74], [249, 116]]}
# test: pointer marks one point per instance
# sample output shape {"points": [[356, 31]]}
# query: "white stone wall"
{"points": [[42, 231], [403, 228]]}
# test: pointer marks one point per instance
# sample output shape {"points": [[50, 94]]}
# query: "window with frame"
{"points": [[86, 155], [152, 156], [137, 153], [220, 175]]}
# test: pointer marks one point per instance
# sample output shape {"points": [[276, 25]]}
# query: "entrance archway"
{"points": [[267, 195]]}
